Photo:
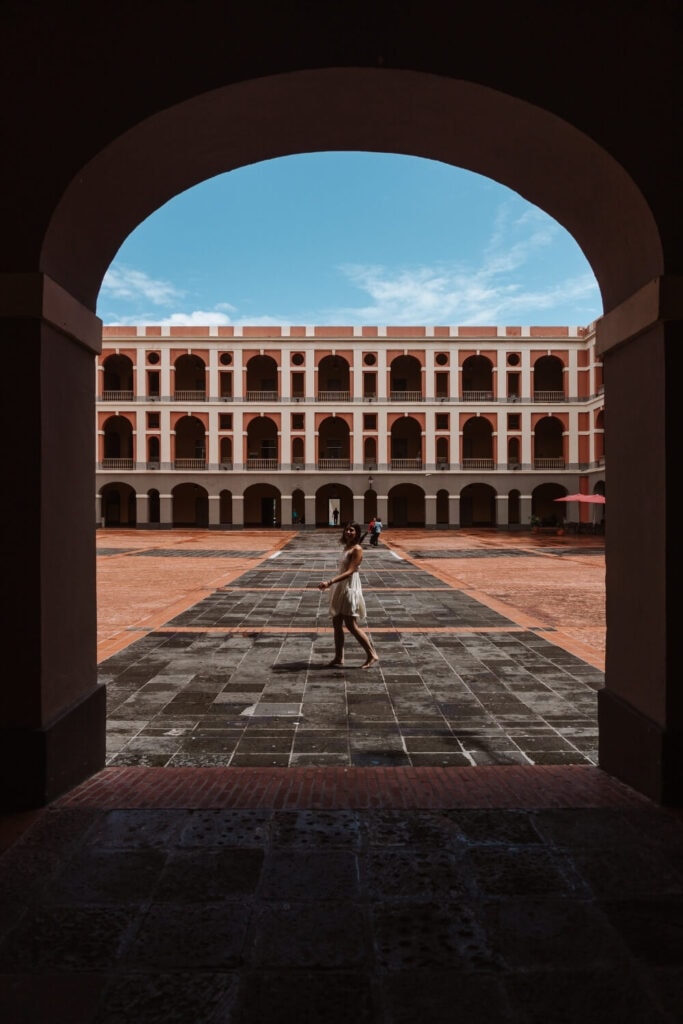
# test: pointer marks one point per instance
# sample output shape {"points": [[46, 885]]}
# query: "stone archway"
{"points": [[130, 173]]}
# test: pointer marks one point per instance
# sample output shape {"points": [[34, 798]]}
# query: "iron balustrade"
{"points": [[406, 396], [117, 464], [334, 464], [477, 396], [549, 396], [261, 396], [199, 464], [189, 396]]}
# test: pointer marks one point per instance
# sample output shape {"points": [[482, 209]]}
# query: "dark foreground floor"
{"points": [[251, 895], [276, 842]]}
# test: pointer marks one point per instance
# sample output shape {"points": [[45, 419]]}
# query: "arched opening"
{"points": [[331, 497], [262, 379], [190, 505], [477, 443], [333, 379], [334, 445], [456, 121], [117, 380], [406, 504], [478, 505], [262, 506], [190, 379], [442, 503], [406, 443]]}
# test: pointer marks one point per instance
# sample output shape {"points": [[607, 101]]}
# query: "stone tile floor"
{"points": [[240, 677], [517, 884]]}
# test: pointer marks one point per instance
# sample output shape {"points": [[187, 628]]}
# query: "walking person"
{"points": [[347, 604]]}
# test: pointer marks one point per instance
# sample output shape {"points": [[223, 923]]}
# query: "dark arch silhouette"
{"points": [[598, 157]]}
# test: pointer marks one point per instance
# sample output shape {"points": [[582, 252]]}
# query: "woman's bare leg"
{"points": [[363, 639], [338, 626]]}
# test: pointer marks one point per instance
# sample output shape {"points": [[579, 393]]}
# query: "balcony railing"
{"points": [[334, 464], [477, 396], [406, 396], [549, 396], [549, 464], [117, 464], [189, 396], [403, 464], [478, 464], [199, 464], [261, 464], [261, 396], [334, 396], [117, 396]]}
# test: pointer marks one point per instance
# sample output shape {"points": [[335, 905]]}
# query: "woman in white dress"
{"points": [[347, 604]]}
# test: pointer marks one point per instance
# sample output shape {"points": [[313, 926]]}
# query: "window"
{"points": [[225, 359], [153, 383], [442, 419], [369, 359], [513, 421], [442, 359], [369, 385], [369, 421], [297, 421], [298, 387], [298, 359], [441, 381], [225, 421], [153, 358], [226, 385], [152, 420]]}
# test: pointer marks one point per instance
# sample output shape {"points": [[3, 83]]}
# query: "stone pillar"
{"points": [[309, 509], [141, 508], [237, 509], [641, 707], [52, 711], [501, 510], [214, 510], [165, 510]]}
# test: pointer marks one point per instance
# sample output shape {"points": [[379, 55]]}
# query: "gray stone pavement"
{"points": [[240, 678]]}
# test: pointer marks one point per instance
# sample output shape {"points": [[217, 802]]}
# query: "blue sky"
{"points": [[348, 239]]}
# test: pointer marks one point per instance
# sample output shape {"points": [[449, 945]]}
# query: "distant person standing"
{"points": [[335, 516], [371, 528], [375, 531]]}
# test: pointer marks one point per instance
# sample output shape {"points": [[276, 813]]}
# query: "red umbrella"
{"points": [[591, 499]]}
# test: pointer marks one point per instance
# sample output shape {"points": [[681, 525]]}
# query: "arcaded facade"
{"points": [[227, 427]]}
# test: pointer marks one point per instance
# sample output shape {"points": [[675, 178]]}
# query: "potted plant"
{"points": [[534, 522]]}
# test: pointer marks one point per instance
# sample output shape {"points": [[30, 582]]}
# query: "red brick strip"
{"points": [[338, 788]]}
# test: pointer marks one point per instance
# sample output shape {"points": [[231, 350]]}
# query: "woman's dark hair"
{"points": [[360, 536]]}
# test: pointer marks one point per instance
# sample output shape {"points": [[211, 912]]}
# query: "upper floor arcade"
{"points": [[537, 365]]}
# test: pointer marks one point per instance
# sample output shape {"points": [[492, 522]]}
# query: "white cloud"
{"points": [[126, 283]]}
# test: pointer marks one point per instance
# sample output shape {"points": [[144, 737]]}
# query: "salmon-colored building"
{"points": [[225, 427]]}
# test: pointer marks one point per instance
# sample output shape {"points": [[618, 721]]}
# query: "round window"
{"points": [[369, 359], [153, 358], [226, 358], [298, 359], [513, 359], [442, 359]]}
